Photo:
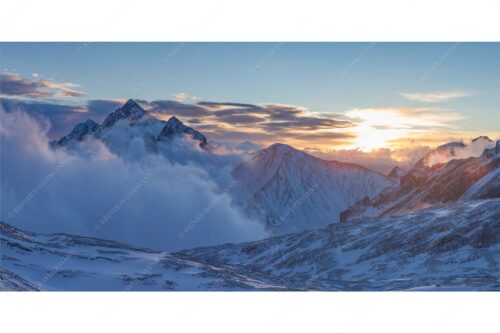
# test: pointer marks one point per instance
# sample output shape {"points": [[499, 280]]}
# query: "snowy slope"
{"points": [[396, 173], [63, 262], [292, 191], [451, 247], [428, 184], [448, 247], [486, 187]]}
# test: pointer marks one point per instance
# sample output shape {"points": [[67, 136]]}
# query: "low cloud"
{"points": [[142, 198], [63, 117], [435, 97], [364, 129], [381, 160], [474, 148]]}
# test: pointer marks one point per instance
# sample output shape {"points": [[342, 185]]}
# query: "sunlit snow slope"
{"points": [[293, 191]]}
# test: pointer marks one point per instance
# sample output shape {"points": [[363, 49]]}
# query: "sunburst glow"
{"points": [[382, 128]]}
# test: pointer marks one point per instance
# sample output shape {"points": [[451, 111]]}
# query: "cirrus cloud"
{"points": [[436, 96]]}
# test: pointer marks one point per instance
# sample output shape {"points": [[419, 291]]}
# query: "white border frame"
{"points": [[257, 20]]}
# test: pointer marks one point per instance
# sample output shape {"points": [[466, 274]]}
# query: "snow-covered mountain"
{"points": [[432, 181], [139, 124], [285, 189], [450, 247], [455, 246], [292, 191], [288, 190]]}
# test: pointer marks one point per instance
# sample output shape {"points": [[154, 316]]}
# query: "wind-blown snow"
{"points": [[458, 150]]}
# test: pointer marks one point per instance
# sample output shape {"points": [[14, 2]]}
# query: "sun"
{"points": [[369, 138], [378, 129]]}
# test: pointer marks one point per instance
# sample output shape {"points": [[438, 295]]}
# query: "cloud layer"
{"points": [[381, 160], [446, 153], [436, 97], [352, 133], [266, 124], [63, 116], [144, 199], [13, 85]]}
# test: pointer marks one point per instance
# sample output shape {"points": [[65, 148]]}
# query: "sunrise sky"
{"points": [[323, 97]]}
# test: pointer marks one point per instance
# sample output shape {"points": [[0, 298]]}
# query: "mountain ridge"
{"points": [[448, 247], [291, 190], [131, 112], [425, 185]]}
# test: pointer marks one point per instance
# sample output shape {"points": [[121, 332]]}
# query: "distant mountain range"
{"points": [[336, 226], [288, 190], [284, 188]]}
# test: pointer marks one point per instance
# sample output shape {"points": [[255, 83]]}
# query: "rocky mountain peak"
{"points": [[482, 138], [175, 127], [79, 132], [131, 110]]}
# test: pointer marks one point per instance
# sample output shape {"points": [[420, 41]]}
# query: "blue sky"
{"points": [[461, 79]]}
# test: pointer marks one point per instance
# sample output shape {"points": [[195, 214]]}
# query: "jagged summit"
{"points": [[150, 128], [131, 110], [174, 121], [291, 190], [130, 104], [174, 127], [88, 127], [482, 137]]}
